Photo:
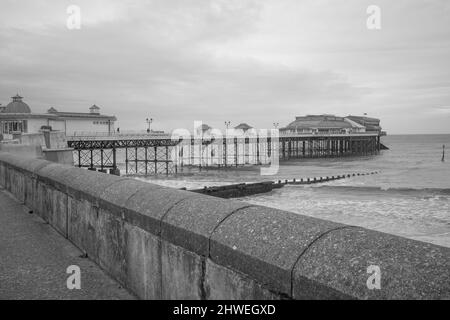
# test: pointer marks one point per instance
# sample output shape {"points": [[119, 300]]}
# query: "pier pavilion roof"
{"points": [[243, 126], [204, 127], [319, 121], [371, 124]]}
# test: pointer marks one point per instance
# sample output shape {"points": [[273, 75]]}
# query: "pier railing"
{"points": [[306, 135], [87, 135]]}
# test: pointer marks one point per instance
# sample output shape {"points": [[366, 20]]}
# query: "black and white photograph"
{"points": [[249, 152]]}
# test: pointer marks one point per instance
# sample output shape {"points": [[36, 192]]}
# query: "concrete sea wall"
{"points": [[47, 145], [28, 151], [163, 243]]}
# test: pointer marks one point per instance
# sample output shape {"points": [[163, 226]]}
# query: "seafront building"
{"points": [[329, 124], [17, 117], [371, 124]]}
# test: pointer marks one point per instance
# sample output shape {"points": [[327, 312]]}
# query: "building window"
{"points": [[9, 127], [101, 122]]}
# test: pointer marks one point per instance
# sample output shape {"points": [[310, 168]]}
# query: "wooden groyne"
{"points": [[247, 189], [239, 190]]}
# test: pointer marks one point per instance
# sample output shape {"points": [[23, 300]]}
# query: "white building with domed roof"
{"points": [[17, 117]]}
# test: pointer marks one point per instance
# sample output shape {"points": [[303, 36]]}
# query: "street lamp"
{"points": [[276, 124], [149, 121], [227, 123]]}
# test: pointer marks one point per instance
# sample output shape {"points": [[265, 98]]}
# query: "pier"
{"points": [[146, 154]]}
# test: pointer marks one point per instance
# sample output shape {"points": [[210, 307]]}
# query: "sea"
{"points": [[409, 196]]}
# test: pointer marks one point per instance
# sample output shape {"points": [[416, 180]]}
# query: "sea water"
{"points": [[410, 196]]}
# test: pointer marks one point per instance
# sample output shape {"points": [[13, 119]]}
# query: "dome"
{"points": [[17, 106], [243, 126]]}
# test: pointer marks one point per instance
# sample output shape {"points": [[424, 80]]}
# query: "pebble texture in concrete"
{"points": [[340, 260], [191, 222], [266, 243]]}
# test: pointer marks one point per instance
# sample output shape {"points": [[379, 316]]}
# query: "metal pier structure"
{"points": [[154, 154], [136, 155]]}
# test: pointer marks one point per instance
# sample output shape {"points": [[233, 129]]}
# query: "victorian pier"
{"points": [[148, 154]]}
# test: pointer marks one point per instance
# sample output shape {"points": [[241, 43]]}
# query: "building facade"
{"points": [[16, 117], [371, 124], [323, 124]]}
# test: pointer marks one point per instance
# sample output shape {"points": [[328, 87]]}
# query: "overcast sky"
{"points": [[244, 61]]}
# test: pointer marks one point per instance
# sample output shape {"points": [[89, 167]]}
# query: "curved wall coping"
{"points": [[292, 255]]}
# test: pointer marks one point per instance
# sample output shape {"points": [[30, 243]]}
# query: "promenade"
{"points": [[34, 259]]}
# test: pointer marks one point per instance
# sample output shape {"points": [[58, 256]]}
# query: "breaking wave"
{"points": [[415, 192]]}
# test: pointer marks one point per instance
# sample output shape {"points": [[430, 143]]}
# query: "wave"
{"points": [[420, 192]]}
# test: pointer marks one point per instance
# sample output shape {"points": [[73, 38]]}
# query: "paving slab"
{"points": [[34, 259]]}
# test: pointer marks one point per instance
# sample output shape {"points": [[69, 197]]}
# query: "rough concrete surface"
{"points": [[265, 243], [339, 260], [34, 259], [190, 223]]}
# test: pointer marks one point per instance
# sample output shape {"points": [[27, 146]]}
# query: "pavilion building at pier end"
{"points": [[17, 117], [331, 124]]}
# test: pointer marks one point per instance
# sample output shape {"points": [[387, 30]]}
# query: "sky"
{"points": [[255, 61]]}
